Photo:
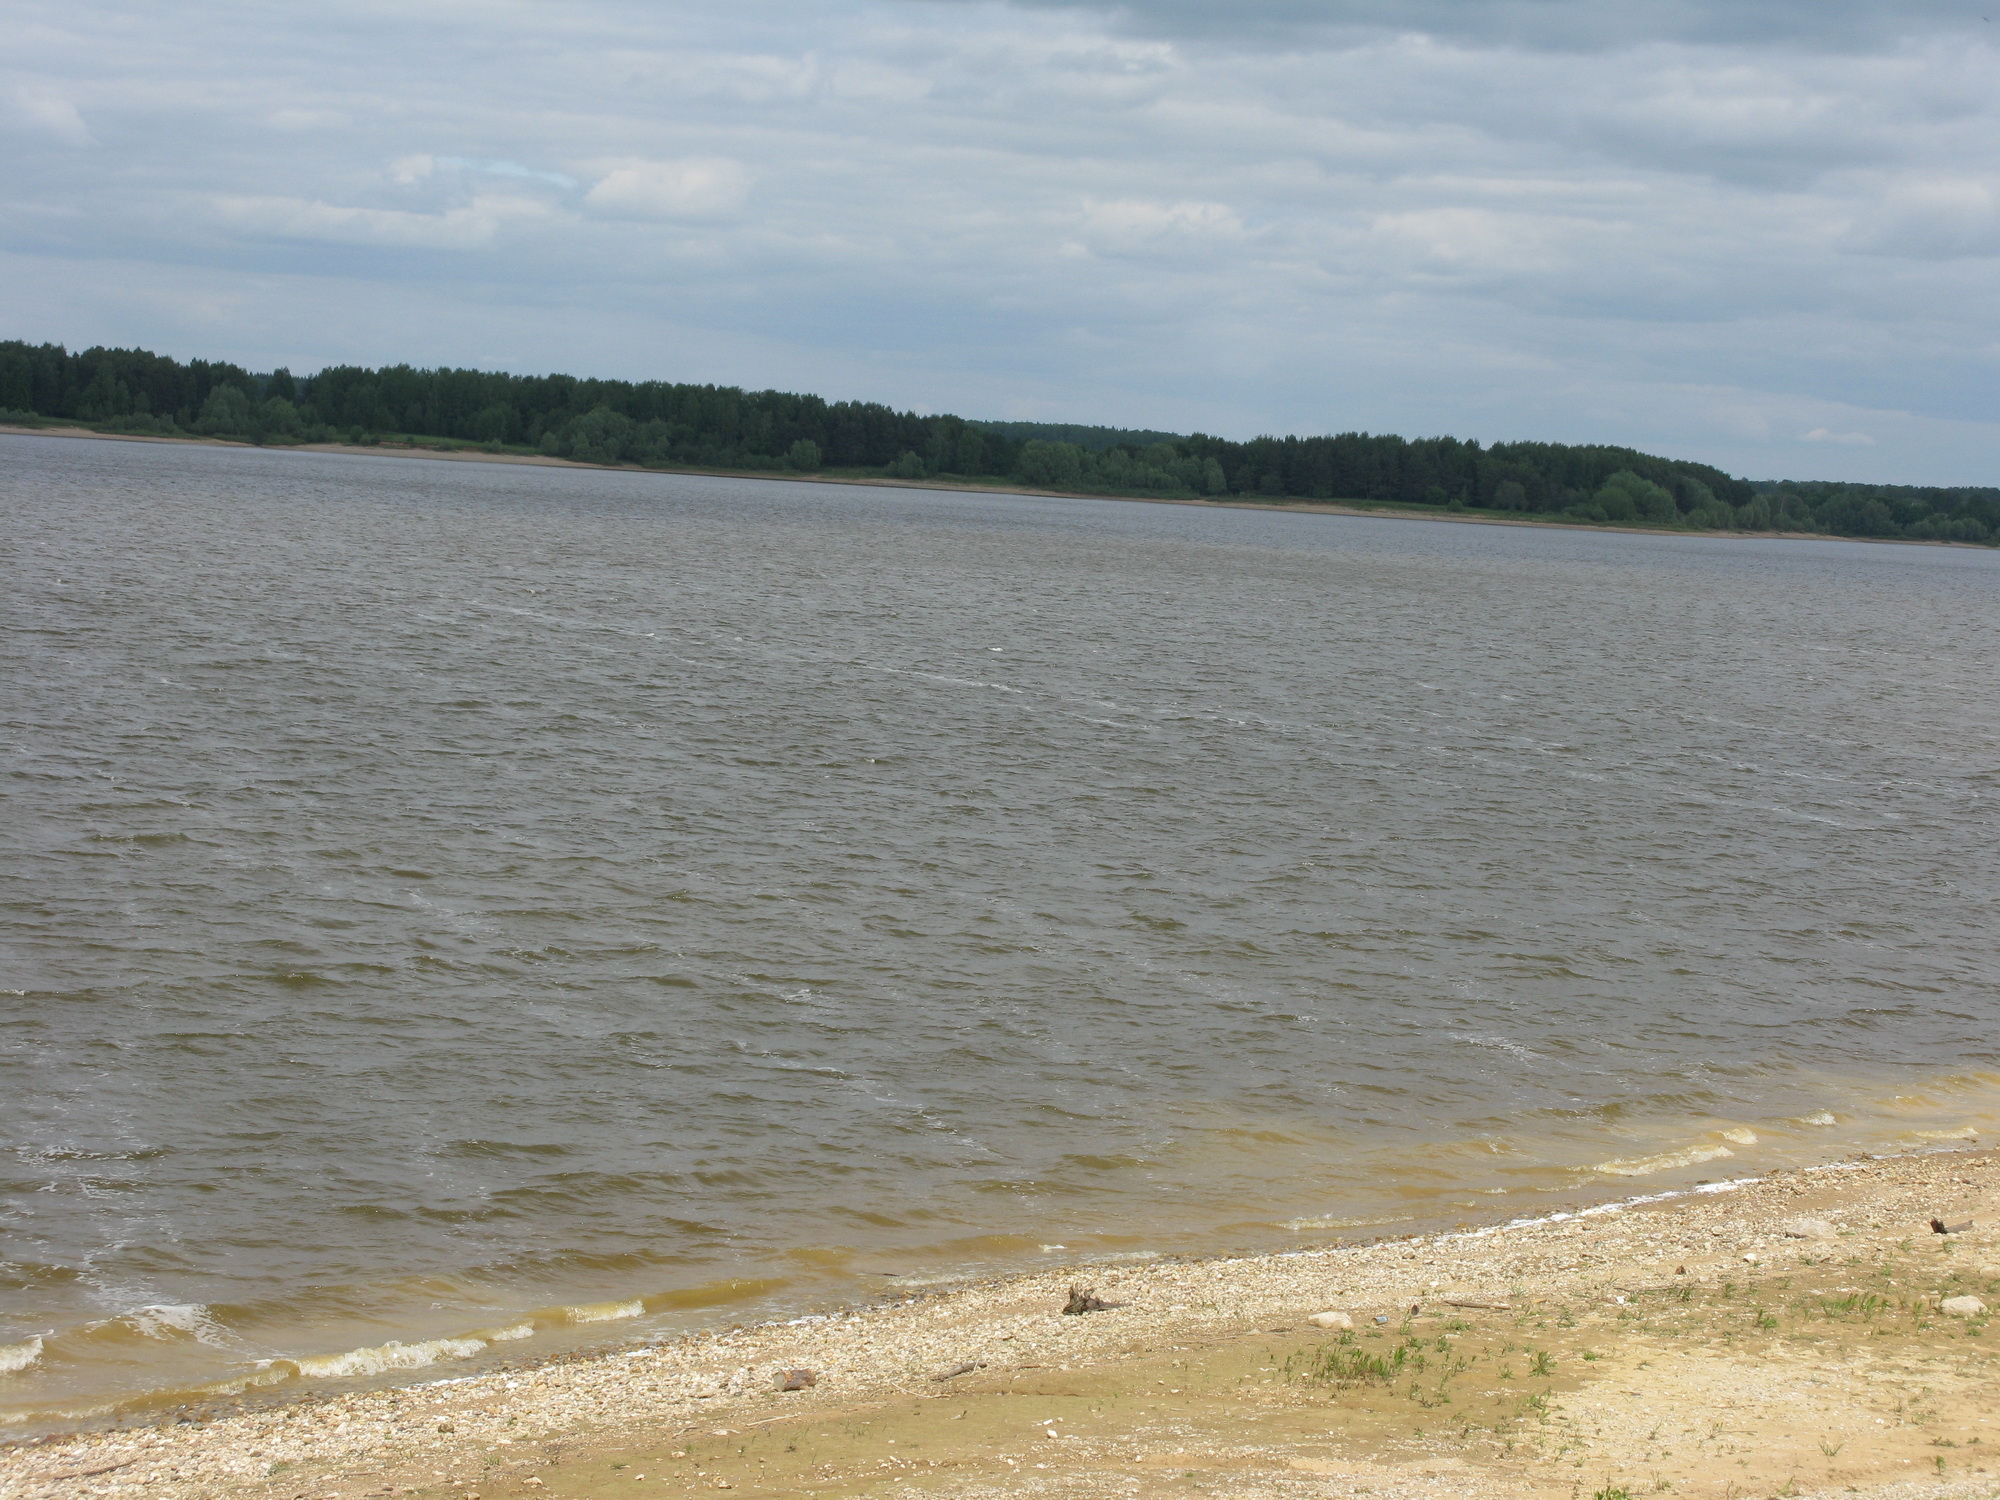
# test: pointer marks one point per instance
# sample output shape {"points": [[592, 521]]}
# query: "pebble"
{"points": [[1964, 1307], [872, 1352], [1331, 1320]]}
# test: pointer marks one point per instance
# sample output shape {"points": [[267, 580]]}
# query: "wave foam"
{"points": [[14, 1358], [389, 1356], [504, 1335], [1646, 1166], [172, 1320], [605, 1312]]}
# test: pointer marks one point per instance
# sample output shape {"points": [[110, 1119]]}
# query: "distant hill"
{"points": [[1094, 439]]}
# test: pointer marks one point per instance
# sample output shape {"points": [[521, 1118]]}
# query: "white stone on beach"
{"points": [[1331, 1320], [1964, 1307], [1807, 1229]]}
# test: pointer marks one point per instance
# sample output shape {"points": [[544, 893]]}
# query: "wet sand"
{"points": [[1778, 1336]]}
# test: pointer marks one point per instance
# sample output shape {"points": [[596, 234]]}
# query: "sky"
{"points": [[1758, 233]]}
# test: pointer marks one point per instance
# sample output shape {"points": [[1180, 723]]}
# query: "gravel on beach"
{"points": [[692, 1407]]}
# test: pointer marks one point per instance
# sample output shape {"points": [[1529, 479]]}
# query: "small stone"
{"points": [[1963, 1307], [1331, 1320], [1807, 1229], [796, 1380]]}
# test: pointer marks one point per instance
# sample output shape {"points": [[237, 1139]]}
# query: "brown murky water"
{"points": [[452, 910]]}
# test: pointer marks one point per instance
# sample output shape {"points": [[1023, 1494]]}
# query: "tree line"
{"points": [[661, 424]]}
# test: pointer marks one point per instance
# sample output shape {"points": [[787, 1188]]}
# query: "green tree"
{"points": [[277, 417], [1054, 466], [969, 453], [1626, 496], [1857, 515], [226, 413], [908, 466], [490, 424], [600, 436], [1510, 494], [804, 455]]}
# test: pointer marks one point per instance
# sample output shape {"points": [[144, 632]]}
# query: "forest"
{"points": [[662, 425]]}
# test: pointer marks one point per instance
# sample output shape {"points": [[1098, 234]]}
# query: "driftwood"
{"points": [[1083, 1299], [1938, 1226]]}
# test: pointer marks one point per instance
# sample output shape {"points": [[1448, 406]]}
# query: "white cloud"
{"points": [[1846, 439], [1136, 226], [292, 118], [47, 112], [471, 226], [408, 171], [705, 188], [1933, 217], [1697, 226]]}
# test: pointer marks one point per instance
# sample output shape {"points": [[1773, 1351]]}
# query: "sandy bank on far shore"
{"points": [[1780, 1336], [1292, 507]]}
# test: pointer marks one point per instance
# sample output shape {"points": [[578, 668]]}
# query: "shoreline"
{"points": [[1306, 507], [1730, 1339]]}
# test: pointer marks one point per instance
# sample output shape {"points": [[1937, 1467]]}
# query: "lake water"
{"points": [[455, 910]]}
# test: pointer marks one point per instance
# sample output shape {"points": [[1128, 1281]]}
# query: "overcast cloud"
{"points": [[1763, 234]]}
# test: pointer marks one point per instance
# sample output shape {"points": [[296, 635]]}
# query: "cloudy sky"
{"points": [[1760, 232]]}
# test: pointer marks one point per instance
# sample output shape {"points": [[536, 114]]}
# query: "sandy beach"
{"points": [[1781, 1336]]}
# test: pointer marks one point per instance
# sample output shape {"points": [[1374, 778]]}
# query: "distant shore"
{"points": [[1787, 1334], [1311, 507]]}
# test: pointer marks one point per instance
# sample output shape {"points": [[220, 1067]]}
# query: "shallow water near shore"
{"points": [[455, 910]]}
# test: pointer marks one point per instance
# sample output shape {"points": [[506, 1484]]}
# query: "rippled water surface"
{"points": [[446, 901]]}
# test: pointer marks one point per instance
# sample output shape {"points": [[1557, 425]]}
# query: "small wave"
{"points": [[1646, 1166], [14, 1358], [1963, 1133], [389, 1356], [1328, 1221], [505, 1335], [165, 1322], [168, 1320], [605, 1312]]}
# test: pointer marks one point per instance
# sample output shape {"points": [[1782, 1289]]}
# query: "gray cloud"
{"points": [[1749, 246], [1555, 25]]}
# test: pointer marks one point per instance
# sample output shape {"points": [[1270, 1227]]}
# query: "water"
{"points": [[456, 909]]}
